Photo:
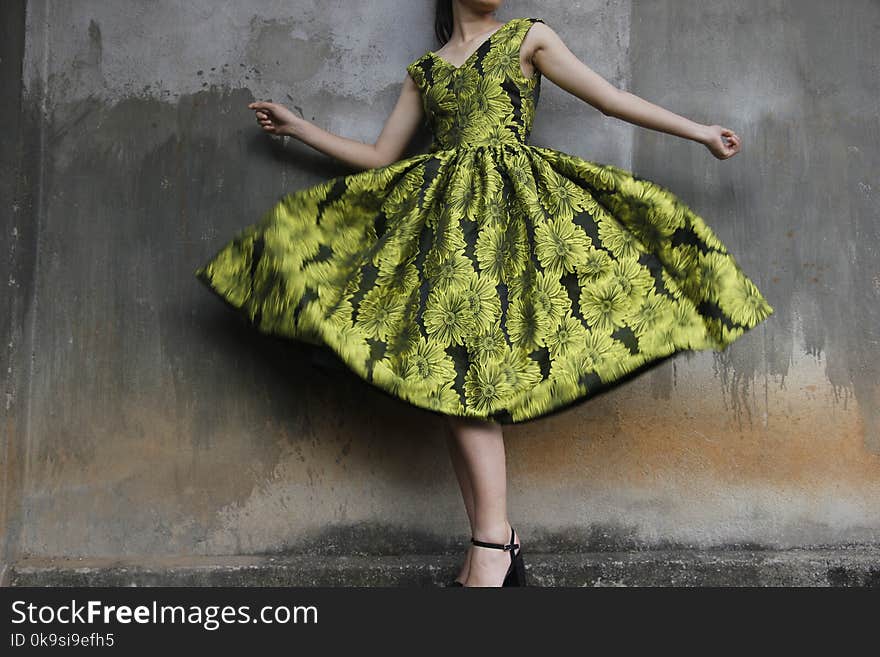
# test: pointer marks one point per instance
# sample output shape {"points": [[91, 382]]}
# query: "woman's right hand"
{"points": [[275, 118]]}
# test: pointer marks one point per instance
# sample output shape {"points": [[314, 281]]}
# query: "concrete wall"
{"points": [[142, 418]]}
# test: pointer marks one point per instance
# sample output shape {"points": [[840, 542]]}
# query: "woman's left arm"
{"points": [[546, 51]]}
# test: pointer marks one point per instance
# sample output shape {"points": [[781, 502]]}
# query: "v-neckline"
{"points": [[474, 52]]}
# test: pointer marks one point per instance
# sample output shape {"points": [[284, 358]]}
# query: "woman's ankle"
{"points": [[499, 533]]}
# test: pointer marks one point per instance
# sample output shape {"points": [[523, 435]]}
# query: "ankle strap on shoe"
{"points": [[498, 546]]}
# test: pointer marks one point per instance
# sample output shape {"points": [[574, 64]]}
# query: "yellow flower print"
{"points": [[612, 356], [494, 135], [541, 399], [464, 195], [380, 312], [653, 229], [314, 194], [628, 186], [653, 313], [394, 374], [526, 326], [464, 84], [560, 245], [483, 302], [672, 285], [320, 273], [386, 253], [503, 60], [591, 206], [689, 329], [404, 197], [348, 281], [527, 112], [599, 354], [741, 300], [595, 266], [523, 284], [447, 317], [634, 279], [486, 105], [399, 276], [566, 164], [408, 333], [621, 242], [493, 212], [648, 194], [334, 216], [519, 170], [728, 335], [430, 363], [522, 372], [355, 206], [448, 235], [352, 242], [490, 251], [486, 386], [561, 197], [668, 211], [440, 100], [704, 232], [659, 342], [680, 260], [526, 206], [445, 399], [435, 190], [289, 243], [502, 252], [603, 178], [451, 126], [346, 340], [491, 183], [454, 272], [369, 180], [566, 336], [713, 273], [310, 324], [550, 297], [417, 73], [442, 76], [297, 208], [516, 250], [489, 344], [334, 310], [604, 306], [352, 346]]}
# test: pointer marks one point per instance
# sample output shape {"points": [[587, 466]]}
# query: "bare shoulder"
{"points": [[539, 36]]}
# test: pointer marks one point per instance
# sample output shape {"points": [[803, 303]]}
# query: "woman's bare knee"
{"points": [[462, 422]]}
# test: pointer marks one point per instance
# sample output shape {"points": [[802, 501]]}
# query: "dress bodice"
{"points": [[485, 101]]}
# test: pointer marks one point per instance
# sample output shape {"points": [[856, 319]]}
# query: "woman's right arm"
{"points": [[399, 128]]}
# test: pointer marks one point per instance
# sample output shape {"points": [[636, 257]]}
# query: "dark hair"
{"points": [[443, 21]]}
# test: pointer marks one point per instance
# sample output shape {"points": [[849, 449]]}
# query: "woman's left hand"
{"points": [[722, 142]]}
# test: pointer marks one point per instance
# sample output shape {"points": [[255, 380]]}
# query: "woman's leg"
{"points": [[467, 493], [481, 445]]}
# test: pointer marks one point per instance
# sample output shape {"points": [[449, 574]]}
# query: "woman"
{"points": [[489, 281]]}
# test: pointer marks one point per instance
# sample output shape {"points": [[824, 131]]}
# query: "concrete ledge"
{"points": [[825, 567]]}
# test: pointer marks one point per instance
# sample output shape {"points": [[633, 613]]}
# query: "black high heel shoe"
{"points": [[516, 572], [453, 583]]}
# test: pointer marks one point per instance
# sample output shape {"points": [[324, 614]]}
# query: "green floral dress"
{"points": [[488, 277]]}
